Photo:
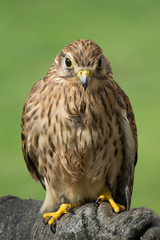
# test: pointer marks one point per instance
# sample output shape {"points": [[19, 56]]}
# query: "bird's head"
{"points": [[82, 63]]}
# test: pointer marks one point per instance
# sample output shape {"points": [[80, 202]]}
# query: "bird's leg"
{"points": [[54, 216], [106, 196]]}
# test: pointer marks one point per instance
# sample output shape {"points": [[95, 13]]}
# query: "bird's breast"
{"points": [[74, 133], [82, 133]]}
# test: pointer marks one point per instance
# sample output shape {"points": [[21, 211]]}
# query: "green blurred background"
{"points": [[33, 32]]}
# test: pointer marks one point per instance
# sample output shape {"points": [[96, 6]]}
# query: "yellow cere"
{"points": [[84, 72]]}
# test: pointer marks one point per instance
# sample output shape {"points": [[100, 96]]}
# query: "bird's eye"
{"points": [[99, 65], [68, 62]]}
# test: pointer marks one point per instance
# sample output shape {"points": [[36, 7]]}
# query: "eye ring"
{"points": [[68, 62], [99, 65]]}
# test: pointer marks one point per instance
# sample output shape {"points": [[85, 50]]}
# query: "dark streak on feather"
{"points": [[51, 143], [110, 129], [49, 165], [92, 114], [50, 153], [36, 140]]}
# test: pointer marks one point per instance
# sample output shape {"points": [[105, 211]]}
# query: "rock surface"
{"points": [[20, 219]]}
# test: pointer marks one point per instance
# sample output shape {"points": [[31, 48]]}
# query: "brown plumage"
{"points": [[78, 130]]}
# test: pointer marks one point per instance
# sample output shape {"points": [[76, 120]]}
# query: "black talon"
{"points": [[70, 210], [53, 228], [97, 201], [45, 221]]}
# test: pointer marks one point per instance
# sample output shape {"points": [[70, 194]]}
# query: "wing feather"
{"points": [[126, 175], [31, 161]]}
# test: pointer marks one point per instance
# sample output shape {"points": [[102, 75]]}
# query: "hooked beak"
{"points": [[85, 76]]}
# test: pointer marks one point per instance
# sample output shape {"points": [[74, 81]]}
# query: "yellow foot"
{"points": [[64, 208], [106, 196]]}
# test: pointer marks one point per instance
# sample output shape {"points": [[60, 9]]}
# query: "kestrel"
{"points": [[79, 135]]}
